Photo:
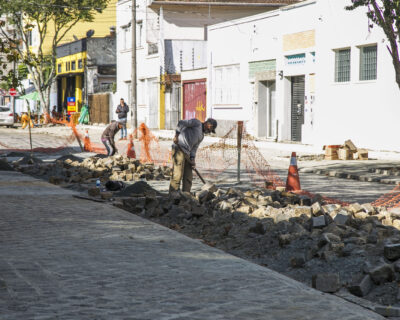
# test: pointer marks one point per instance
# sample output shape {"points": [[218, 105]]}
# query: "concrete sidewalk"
{"points": [[66, 258]]}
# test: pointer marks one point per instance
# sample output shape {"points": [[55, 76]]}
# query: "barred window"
{"points": [[368, 63], [342, 65]]}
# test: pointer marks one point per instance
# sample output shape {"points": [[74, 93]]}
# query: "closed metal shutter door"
{"points": [[297, 107]]}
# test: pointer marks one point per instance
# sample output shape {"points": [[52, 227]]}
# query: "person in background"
{"points": [[108, 137], [122, 111], [54, 113], [25, 120]]}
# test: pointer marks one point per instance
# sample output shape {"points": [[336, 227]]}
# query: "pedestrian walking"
{"points": [[188, 136], [122, 111], [108, 137]]}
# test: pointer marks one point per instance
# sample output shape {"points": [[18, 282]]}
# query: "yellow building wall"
{"points": [[101, 26], [300, 40], [78, 92], [162, 103], [71, 58]]}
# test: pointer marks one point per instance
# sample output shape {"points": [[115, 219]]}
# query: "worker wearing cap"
{"points": [[189, 135], [108, 136]]}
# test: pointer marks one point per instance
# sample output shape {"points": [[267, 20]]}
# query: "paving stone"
{"points": [[361, 285], [392, 251], [318, 222], [326, 282], [381, 274], [342, 217], [298, 261], [368, 208], [316, 208], [355, 207]]}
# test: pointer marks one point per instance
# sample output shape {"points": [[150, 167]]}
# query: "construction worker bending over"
{"points": [[25, 119], [189, 135], [108, 137]]}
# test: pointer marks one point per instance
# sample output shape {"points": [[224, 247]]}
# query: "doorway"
{"points": [[297, 106], [267, 109], [194, 99]]}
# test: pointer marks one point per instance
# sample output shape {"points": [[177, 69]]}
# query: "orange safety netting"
{"points": [[150, 150], [390, 199], [213, 160]]}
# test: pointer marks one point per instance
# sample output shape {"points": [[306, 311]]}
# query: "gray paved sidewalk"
{"points": [[66, 258]]}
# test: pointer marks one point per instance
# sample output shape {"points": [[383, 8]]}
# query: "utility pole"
{"points": [[14, 72], [134, 76]]}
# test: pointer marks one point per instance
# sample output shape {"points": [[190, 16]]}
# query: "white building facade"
{"points": [[171, 39], [311, 72]]}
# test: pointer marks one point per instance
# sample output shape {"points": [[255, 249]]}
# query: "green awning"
{"points": [[31, 96]]}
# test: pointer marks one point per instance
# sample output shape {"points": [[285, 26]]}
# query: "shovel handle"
{"points": [[194, 169], [199, 175]]}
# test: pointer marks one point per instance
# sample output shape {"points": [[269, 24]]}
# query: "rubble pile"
{"points": [[354, 248], [327, 246], [71, 169]]}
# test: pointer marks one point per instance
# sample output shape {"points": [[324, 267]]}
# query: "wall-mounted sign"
{"points": [[71, 105]]}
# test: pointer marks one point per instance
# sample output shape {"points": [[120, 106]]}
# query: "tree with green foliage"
{"points": [[48, 18], [14, 80], [385, 14]]}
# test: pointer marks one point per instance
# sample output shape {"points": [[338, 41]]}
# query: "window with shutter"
{"points": [[226, 85]]}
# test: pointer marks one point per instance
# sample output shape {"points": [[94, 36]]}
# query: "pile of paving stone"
{"points": [[329, 247], [70, 169]]}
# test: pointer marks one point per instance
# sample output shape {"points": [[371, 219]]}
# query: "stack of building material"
{"points": [[348, 151], [331, 152]]}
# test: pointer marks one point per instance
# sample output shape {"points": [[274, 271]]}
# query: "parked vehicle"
{"points": [[6, 116]]}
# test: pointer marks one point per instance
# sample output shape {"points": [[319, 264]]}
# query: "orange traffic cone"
{"points": [[293, 180], [131, 153], [86, 142]]}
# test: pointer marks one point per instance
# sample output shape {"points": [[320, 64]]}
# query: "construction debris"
{"points": [[83, 174], [347, 151], [332, 242]]}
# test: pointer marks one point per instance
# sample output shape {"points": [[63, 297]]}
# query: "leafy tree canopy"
{"points": [[48, 18], [385, 14]]}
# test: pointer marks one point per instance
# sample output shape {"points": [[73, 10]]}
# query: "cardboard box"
{"points": [[344, 154]]}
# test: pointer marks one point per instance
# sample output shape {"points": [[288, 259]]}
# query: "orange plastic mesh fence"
{"points": [[213, 160], [390, 199]]}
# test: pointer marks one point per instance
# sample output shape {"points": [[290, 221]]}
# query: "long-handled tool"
{"points": [[199, 175], [194, 169]]}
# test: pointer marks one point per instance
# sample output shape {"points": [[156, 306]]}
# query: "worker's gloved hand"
{"points": [[193, 163], [176, 139]]}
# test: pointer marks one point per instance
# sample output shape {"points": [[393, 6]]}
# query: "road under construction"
{"points": [[337, 235]]}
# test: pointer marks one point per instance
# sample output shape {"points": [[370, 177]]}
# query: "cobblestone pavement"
{"points": [[66, 258]]}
